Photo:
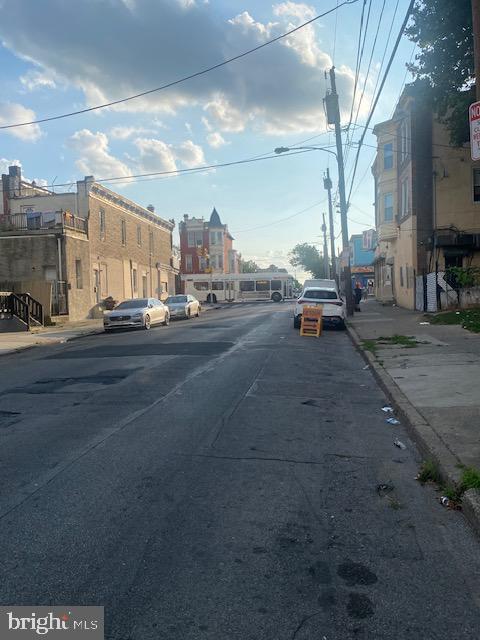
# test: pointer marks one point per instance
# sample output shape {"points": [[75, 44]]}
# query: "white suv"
{"points": [[333, 306]]}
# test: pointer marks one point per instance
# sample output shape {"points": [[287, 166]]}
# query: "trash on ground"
{"points": [[383, 489], [424, 323], [457, 313], [387, 409], [366, 367], [392, 421], [399, 444], [450, 504]]}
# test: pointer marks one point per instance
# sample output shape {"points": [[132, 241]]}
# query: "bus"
{"points": [[235, 287]]}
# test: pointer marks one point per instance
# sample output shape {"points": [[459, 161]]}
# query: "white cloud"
{"points": [[276, 90], [4, 164], [216, 140], [94, 155], [13, 113], [156, 155], [122, 133], [35, 79]]}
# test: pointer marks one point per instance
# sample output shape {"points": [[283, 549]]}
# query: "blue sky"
{"points": [[59, 56]]}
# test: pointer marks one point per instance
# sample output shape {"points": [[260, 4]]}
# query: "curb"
{"points": [[429, 443]]}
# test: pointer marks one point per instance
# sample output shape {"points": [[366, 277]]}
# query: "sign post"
{"points": [[474, 117]]}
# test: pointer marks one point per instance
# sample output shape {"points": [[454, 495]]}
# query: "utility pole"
{"points": [[333, 117], [476, 43], [325, 248], [327, 183]]}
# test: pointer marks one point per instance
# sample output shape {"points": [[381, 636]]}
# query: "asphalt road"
{"points": [[217, 480]]}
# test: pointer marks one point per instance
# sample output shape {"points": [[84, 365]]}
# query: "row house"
{"points": [[73, 250], [427, 205], [207, 246]]}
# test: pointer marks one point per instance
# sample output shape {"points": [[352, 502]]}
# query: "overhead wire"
{"points": [[184, 78]]}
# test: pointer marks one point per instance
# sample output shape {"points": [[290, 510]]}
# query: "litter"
{"points": [[445, 501], [457, 313], [450, 504], [366, 367], [399, 444], [423, 323], [383, 489], [392, 421], [387, 409]]}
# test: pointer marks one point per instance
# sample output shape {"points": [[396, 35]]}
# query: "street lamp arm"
{"points": [[279, 150]]}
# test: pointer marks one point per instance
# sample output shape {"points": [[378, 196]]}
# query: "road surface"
{"points": [[217, 480]]}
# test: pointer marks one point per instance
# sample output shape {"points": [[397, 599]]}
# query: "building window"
{"points": [[134, 280], [188, 263], [139, 235], [388, 156], [164, 287], [144, 286], [102, 223], [78, 274], [195, 238], [404, 139], [150, 242], [123, 232], [405, 198], [388, 207], [476, 185], [216, 237], [202, 263]]}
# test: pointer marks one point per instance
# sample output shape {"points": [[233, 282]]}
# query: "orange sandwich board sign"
{"points": [[474, 117]]}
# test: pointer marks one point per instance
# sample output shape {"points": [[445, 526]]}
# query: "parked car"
{"points": [[333, 306], [141, 312], [183, 306], [320, 284]]}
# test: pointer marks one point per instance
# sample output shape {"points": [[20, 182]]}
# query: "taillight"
{"points": [[338, 303]]}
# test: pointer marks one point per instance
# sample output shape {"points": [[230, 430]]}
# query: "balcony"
{"points": [[36, 221], [387, 231]]}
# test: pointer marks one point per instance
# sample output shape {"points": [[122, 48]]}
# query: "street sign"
{"points": [[474, 117]]}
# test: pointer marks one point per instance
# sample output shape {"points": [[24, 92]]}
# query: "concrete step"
{"points": [[11, 325]]}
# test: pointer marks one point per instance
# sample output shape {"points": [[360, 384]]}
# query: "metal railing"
{"points": [[35, 309], [22, 306], [54, 220]]}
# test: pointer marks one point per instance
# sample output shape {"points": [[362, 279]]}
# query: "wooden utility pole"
{"points": [[325, 248], [327, 183], [476, 43]]}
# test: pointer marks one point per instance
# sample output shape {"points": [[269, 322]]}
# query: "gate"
{"points": [[59, 298]]}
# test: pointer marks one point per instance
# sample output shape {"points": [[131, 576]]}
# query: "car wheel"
{"points": [[188, 313], [166, 320], [198, 311], [297, 321], [276, 297], [147, 323]]}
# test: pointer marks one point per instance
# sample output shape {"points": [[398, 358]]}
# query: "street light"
{"points": [[279, 150]]}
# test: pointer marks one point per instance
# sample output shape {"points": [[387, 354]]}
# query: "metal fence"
{"points": [[35, 221]]}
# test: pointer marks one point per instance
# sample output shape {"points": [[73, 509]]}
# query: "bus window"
{"points": [[276, 285], [247, 285], [217, 286], [201, 286], [262, 285]]}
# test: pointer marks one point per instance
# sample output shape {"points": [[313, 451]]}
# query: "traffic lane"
{"points": [[254, 524], [79, 393]]}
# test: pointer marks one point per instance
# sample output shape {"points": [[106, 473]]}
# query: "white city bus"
{"points": [[231, 287]]}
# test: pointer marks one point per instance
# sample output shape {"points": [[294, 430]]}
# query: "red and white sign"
{"points": [[474, 117]]}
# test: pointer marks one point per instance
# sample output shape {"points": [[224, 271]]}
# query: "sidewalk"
{"points": [[432, 376], [19, 340]]}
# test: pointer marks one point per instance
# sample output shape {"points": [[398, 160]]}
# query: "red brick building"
{"points": [[207, 245]]}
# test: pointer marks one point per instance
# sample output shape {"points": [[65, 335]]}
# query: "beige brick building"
{"points": [[73, 250]]}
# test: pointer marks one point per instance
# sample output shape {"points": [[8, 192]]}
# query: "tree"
{"points": [[248, 266], [308, 257], [443, 31]]}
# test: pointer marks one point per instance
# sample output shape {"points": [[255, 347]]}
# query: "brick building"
{"points": [[206, 246], [72, 250]]}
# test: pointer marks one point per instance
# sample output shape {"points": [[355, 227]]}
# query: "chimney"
{"points": [[14, 180], [185, 217], [151, 208]]}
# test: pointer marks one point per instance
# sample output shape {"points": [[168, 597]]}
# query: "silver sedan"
{"points": [[140, 313], [183, 306]]}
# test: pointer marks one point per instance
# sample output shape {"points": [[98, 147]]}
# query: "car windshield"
{"points": [[133, 304], [176, 299], [320, 294]]}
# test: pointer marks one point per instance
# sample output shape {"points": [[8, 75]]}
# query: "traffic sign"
{"points": [[474, 117]]}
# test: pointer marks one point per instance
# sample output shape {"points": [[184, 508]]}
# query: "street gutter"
{"points": [[431, 446]]}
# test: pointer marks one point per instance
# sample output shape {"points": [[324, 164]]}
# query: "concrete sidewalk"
{"points": [[435, 377]]}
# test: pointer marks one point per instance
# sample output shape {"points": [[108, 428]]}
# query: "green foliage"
{"points": [[470, 479], [248, 266], [462, 277], [308, 257], [468, 318], [403, 341], [428, 472], [442, 29]]}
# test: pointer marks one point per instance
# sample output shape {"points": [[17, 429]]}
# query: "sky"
{"points": [[58, 56]]}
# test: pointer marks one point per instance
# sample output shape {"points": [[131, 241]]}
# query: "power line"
{"points": [[358, 61], [377, 97], [263, 226], [185, 78]]}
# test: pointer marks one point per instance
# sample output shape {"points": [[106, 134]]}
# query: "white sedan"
{"points": [[183, 306], [140, 313], [333, 306]]}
